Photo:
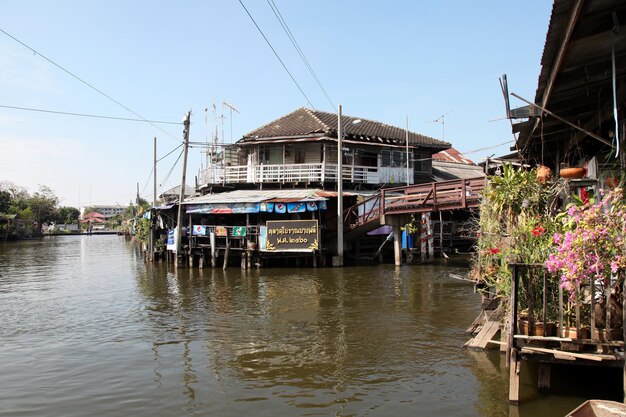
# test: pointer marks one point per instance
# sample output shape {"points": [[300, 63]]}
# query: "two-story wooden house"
{"points": [[300, 149], [281, 179]]}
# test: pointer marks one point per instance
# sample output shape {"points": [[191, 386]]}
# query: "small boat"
{"points": [[599, 408]]}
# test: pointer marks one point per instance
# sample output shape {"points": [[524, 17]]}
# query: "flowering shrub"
{"points": [[592, 245], [533, 237]]}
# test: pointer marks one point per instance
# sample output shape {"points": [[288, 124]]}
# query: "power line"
{"points": [[86, 83], [275, 53], [169, 153], [86, 115], [487, 148], [292, 38], [167, 177]]}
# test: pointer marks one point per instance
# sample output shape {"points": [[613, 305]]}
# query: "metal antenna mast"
{"points": [[442, 119], [231, 107]]}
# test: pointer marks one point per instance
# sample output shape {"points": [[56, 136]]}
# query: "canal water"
{"points": [[87, 328]]}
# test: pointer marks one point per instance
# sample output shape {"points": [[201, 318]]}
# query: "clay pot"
{"points": [[543, 174], [491, 269], [611, 182], [571, 173], [573, 334]]}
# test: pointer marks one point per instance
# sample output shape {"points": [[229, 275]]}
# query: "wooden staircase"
{"points": [[431, 197]]}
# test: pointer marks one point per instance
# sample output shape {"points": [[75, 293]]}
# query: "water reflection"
{"points": [[89, 324]]}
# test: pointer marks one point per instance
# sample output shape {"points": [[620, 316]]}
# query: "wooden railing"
{"points": [[541, 313], [283, 173], [435, 196]]}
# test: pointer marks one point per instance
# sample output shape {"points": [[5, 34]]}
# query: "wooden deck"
{"points": [[596, 335]]}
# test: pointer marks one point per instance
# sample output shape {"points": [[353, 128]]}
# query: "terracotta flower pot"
{"points": [[573, 334], [543, 174], [491, 269], [571, 173], [611, 182]]}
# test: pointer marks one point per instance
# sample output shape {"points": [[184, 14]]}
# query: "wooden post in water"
{"points": [[397, 244], [441, 233], [213, 250], [423, 237], [514, 369], [226, 254], [431, 238], [543, 378]]}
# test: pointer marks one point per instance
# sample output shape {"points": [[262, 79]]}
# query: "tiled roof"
{"points": [[312, 122]]}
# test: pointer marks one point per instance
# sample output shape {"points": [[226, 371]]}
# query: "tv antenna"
{"points": [[442, 119], [231, 107]]}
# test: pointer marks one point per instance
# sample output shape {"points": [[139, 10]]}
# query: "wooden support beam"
{"points": [[397, 245], [514, 376], [543, 378]]}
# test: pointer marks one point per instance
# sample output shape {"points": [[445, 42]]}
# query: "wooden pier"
{"points": [[589, 333]]}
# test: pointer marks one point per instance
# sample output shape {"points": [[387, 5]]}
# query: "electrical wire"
{"points": [[167, 177], [276, 53], [292, 38], [147, 181], [487, 148], [86, 83], [152, 170], [169, 153], [87, 115]]}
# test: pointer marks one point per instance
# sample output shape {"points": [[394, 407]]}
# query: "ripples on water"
{"points": [[89, 329]]}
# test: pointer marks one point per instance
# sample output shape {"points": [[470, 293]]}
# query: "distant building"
{"points": [[109, 211], [173, 194], [450, 164]]}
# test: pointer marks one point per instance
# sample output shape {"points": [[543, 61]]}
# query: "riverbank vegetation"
{"points": [[22, 214]]}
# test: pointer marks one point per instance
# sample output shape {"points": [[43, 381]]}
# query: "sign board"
{"points": [[239, 231], [171, 240], [292, 236], [221, 231], [199, 230]]}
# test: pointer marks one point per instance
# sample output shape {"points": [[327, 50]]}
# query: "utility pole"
{"points": [[339, 259], [154, 198], [407, 151], [181, 197]]}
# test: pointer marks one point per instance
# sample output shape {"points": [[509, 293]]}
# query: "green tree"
{"points": [[5, 201], [18, 197], [43, 205], [67, 215]]}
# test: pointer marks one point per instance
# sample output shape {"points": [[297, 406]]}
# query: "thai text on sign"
{"points": [[292, 235]]}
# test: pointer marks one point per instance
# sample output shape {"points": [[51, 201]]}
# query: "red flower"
{"points": [[537, 231], [493, 251]]}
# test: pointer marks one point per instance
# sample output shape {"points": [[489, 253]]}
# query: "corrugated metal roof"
{"points": [[444, 171], [452, 155], [257, 196]]}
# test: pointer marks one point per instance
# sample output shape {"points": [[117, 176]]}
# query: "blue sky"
{"points": [[380, 60]]}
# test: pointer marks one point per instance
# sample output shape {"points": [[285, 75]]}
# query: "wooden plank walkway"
{"points": [[421, 198]]}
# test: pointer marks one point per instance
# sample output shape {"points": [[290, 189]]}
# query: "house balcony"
{"points": [[307, 173]]}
